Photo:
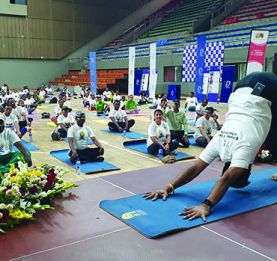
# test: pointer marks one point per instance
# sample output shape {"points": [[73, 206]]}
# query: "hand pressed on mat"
{"points": [[198, 211]]}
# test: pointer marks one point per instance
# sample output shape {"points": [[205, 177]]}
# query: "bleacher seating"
{"points": [[233, 34], [104, 77]]}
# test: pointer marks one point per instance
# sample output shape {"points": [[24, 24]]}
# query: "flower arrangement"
{"points": [[23, 190], [264, 154]]}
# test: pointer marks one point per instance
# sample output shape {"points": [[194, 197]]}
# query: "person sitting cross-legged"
{"points": [[204, 126], [65, 121], [78, 137], [119, 120], [101, 106], [8, 138], [178, 124], [159, 136], [131, 105]]}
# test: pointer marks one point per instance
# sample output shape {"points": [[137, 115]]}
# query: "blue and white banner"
{"points": [[153, 75], [214, 56], [228, 74], [93, 74], [131, 76], [138, 79], [200, 66]]}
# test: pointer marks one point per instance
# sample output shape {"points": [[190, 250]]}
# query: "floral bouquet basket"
{"points": [[24, 190], [264, 155]]}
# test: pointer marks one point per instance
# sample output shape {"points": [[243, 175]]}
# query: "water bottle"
{"points": [[161, 151], [78, 167], [124, 135], [30, 137]]}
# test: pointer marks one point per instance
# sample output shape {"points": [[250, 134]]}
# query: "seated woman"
{"points": [[8, 138], [64, 121], [159, 136], [78, 138]]}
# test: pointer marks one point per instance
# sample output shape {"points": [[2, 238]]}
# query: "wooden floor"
{"points": [[115, 153]]}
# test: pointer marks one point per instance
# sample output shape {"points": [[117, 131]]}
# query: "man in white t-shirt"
{"points": [[248, 124], [191, 102], [7, 139], [65, 121], [119, 120], [78, 137], [204, 126], [200, 108], [11, 121], [106, 95]]}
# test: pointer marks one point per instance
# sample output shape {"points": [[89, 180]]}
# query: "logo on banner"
{"points": [[132, 214], [227, 84], [137, 82], [259, 35], [200, 71], [202, 52], [200, 89]]}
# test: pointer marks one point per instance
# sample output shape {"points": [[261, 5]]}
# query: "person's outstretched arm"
{"points": [[216, 194], [181, 179], [24, 151]]}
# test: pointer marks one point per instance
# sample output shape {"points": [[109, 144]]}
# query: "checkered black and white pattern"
{"points": [[214, 56], [189, 63]]}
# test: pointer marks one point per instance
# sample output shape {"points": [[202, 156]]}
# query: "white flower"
{"points": [[1, 215], [2, 206]]}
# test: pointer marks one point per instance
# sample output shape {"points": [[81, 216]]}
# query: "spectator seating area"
{"points": [[233, 34], [255, 9], [104, 77]]}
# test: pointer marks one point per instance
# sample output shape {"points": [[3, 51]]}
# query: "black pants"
{"points": [[241, 181], [154, 148], [87, 155], [179, 135], [113, 127], [62, 132], [201, 141]]}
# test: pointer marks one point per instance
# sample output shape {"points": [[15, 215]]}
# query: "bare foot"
{"points": [[274, 177]]}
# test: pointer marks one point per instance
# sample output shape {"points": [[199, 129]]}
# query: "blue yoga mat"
{"points": [[140, 145], [87, 168], [29, 146], [129, 134], [158, 218], [89, 142], [193, 143]]}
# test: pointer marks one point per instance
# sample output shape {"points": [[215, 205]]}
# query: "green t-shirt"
{"points": [[100, 106], [130, 105], [176, 120]]}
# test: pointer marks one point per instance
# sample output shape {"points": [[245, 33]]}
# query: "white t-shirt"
{"points": [[9, 121], [29, 102], [200, 108], [159, 131], [92, 102], [22, 113], [107, 94], [206, 125], [7, 139], [67, 121], [58, 109], [244, 131], [191, 101], [119, 115], [15, 112], [117, 98], [122, 104], [81, 136]]}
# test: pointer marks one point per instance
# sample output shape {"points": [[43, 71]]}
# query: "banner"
{"points": [[138, 80], [131, 77], [153, 75], [228, 74], [200, 66], [257, 50], [93, 74]]}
